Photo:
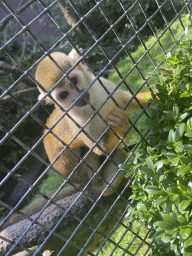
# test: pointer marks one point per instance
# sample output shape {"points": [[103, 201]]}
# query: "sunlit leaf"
{"points": [[188, 134], [163, 225], [185, 233], [174, 190], [179, 131], [189, 123], [184, 204], [171, 137], [176, 110], [188, 242], [183, 169], [155, 190], [183, 116], [150, 163]]}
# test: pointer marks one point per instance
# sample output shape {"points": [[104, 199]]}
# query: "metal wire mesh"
{"points": [[30, 31]]}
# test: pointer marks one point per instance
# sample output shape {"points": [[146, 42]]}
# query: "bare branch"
{"points": [[20, 93], [4, 21], [5, 67]]}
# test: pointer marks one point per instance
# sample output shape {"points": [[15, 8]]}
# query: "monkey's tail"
{"points": [[142, 101]]}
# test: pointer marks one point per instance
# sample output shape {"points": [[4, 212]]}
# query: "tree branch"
{"points": [[20, 93], [4, 21], [51, 216]]}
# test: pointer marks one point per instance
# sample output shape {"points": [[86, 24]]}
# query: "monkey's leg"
{"points": [[90, 163], [110, 170]]}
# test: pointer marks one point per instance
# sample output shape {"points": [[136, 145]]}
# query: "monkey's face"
{"points": [[71, 90]]}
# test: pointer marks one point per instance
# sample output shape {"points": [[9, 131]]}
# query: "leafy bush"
{"points": [[163, 168]]}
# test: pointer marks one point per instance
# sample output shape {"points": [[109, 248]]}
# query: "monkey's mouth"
{"points": [[83, 101]]}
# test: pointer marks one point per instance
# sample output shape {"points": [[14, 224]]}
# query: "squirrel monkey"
{"points": [[95, 135]]}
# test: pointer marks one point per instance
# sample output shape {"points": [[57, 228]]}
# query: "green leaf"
{"points": [[179, 131], [165, 237], [187, 147], [188, 242], [174, 190], [188, 134], [183, 170], [141, 207], [155, 190], [159, 165], [175, 161], [171, 137], [123, 166], [173, 158], [179, 146], [171, 220], [159, 201], [158, 234], [150, 163], [171, 155], [183, 205], [163, 225], [176, 71], [189, 123], [185, 233], [145, 170], [184, 95], [187, 254], [176, 110], [183, 116], [169, 114]]}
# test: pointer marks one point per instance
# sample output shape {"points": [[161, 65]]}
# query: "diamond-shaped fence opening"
{"points": [[61, 189]]}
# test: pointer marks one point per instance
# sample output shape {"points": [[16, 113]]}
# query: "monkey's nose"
{"points": [[83, 101]]}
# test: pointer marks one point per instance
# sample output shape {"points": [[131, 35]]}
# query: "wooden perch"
{"points": [[50, 217]]}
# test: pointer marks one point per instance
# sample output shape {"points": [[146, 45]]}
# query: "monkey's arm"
{"points": [[118, 118]]}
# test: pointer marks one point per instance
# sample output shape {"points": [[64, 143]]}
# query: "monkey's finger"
{"points": [[122, 127], [120, 113], [120, 118]]}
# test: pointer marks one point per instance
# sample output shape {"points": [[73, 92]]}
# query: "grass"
{"points": [[142, 56], [51, 183], [127, 240], [145, 60]]}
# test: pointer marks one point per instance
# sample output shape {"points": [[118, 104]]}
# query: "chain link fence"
{"points": [[43, 211]]}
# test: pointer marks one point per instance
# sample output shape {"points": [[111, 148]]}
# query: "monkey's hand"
{"points": [[118, 119]]}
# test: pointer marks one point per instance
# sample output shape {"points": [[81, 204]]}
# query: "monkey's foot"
{"points": [[118, 119]]}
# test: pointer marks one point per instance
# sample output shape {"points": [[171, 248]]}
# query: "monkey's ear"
{"points": [[75, 57]]}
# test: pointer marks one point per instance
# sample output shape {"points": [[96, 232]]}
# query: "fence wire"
{"points": [[37, 217]]}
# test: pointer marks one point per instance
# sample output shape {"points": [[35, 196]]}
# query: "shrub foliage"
{"points": [[163, 168]]}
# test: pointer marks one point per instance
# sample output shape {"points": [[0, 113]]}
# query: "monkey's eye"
{"points": [[74, 80], [63, 95]]}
